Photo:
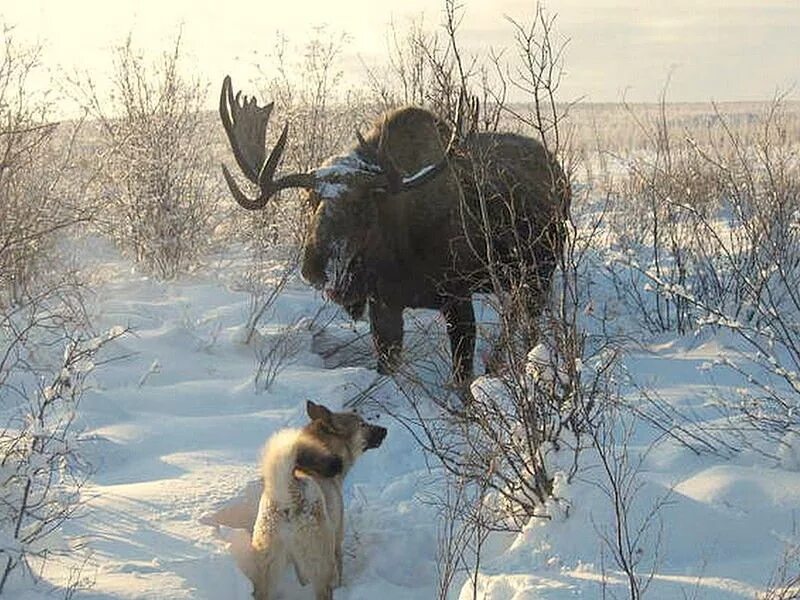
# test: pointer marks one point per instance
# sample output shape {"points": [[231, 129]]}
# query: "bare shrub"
{"points": [[40, 465], [158, 194], [275, 352], [632, 540], [703, 234], [528, 404], [38, 206], [264, 279], [526, 422], [718, 250], [463, 532], [784, 584], [46, 347], [423, 68], [48, 353]]}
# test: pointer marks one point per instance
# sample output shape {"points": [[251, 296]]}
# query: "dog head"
{"points": [[345, 434]]}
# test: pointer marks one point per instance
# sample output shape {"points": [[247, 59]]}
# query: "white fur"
{"points": [[277, 465], [298, 521]]}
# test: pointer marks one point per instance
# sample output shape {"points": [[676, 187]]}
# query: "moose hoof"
{"points": [[384, 369], [388, 363]]}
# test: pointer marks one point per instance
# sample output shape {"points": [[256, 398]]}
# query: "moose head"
{"points": [[343, 194]]}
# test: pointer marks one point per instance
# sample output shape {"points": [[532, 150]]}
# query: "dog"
{"points": [[301, 512]]}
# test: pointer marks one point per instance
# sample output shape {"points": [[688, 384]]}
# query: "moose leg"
{"points": [[460, 319], [520, 310], [323, 592], [387, 332], [534, 300]]}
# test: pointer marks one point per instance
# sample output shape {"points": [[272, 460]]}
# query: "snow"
{"points": [[176, 427], [334, 178]]}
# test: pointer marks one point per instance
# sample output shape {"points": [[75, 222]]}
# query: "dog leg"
{"points": [[337, 579], [300, 577], [337, 543], [317, 567], [330, 574], [323, 592], [268, 573]]}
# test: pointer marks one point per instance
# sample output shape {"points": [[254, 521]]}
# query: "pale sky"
{"points": [[715, 49]]}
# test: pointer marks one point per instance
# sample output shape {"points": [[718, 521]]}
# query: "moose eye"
{"points": [[313, 202]]}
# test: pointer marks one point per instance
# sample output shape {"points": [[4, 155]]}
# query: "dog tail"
{"points": [[291, 449]]}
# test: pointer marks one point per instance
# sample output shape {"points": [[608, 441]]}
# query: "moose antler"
{"points": [[467, 115], [245, 123]]}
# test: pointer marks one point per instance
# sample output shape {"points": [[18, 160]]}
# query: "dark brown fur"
{"points": [[428, 248], [312, 460]]}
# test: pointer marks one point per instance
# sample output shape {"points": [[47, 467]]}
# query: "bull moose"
{"points": [[417, 215]]}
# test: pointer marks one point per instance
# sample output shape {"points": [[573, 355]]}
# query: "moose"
{"points": [[417, 215]]}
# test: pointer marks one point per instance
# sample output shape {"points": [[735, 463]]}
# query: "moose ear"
{"points": [[317, 411]]}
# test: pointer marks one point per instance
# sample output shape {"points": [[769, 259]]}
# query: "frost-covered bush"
{"points": [[44, 359], [41, 470], [37, 204], [702, 219], [158, 197], [710, 240]]}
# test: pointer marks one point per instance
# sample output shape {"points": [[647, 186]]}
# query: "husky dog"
{"points": [[301, 514]]}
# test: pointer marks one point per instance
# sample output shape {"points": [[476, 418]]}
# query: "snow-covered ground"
{"points": [[177, 426]]}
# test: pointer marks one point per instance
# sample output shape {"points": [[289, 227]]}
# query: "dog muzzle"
{"points": [[375, 436]]}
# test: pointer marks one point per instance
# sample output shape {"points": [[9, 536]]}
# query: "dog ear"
{"points": [[317, 411]]}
